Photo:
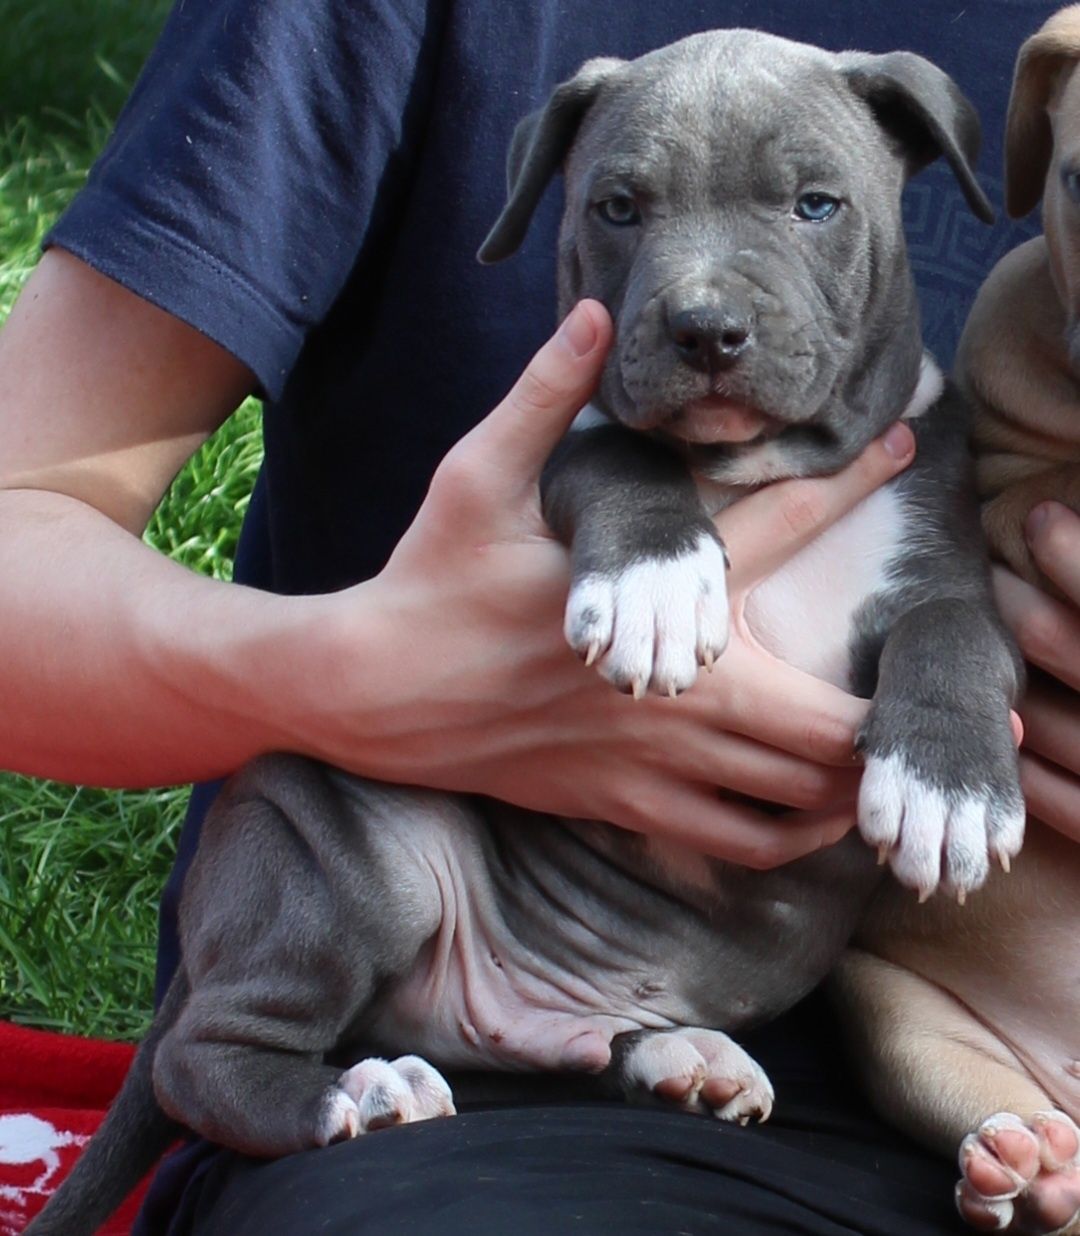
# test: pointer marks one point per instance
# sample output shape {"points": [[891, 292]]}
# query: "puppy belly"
{"points": [[529, 966], [499, 1027], [478, 999]]}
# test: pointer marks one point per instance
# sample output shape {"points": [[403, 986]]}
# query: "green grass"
{"points": [[80, 875], [40, 169], [60, 57], [81, 870]]}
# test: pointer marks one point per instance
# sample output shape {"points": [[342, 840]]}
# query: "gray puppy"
{"points": [[734, 200]]}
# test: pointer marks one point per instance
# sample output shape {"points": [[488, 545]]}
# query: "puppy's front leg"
{"points": [[941, 793], [648, 599]]}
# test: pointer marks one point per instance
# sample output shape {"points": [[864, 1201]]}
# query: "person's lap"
{"points": [[824, 1165], [527, 1171]]}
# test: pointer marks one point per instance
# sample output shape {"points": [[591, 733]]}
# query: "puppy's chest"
{"points": [[805, 612]]}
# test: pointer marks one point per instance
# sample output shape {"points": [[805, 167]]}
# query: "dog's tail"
{"points": [[133, 1136]]}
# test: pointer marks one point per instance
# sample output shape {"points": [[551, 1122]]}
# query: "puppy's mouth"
{"points": [[713, 420]]}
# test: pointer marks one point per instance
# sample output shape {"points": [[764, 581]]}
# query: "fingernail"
{"points": [[1036, 519], [899, 441], [578, 332]]}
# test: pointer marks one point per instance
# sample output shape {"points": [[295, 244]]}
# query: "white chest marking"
{"points": [[803, 614]]}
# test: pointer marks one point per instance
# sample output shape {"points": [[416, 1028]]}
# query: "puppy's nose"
{"points": [[710, 338]]}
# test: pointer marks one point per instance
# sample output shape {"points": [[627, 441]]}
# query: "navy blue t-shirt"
{"points": [[307, 182]]}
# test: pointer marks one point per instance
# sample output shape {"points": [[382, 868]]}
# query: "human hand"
{"points": [[1048, 631], [475, 690]]}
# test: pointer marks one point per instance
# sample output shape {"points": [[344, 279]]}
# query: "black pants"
{"points": [[583, 1170], [822, 1166]]}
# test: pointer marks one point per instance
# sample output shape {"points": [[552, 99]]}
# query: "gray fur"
{"points": [[326, 918], [827, 306]]}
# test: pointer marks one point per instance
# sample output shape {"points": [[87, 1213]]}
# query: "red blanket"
{"points": [[54, 1091]]}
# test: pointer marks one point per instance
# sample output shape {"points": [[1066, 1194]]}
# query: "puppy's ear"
{"points": [[922, 108], [1029, 137], [539, 145]]}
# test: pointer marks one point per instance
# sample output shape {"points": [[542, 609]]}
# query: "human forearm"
{"points": [[122, 667], [448, 670]]}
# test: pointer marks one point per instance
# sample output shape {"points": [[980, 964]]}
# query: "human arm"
{"points": [[1048, 631], [446, 670]]}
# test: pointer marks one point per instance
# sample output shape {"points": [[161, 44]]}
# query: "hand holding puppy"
{"points": [[1048, 631], [481, 693]]}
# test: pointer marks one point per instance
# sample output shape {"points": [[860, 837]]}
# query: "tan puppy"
{"points": [[1019, 359], [966, 1021]]}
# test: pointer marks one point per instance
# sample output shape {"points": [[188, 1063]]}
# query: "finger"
{"points": [[767, 528], [818, 722], [751, 769], [1052, 722], [1052, 795], [1047, 631], [1053, 532], [700, 819], [520, 434]]}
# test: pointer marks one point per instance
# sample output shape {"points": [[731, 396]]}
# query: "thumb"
{"points": [[523, 430]]}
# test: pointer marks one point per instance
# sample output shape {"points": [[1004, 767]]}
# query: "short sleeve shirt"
{"points": [[307, 183]]}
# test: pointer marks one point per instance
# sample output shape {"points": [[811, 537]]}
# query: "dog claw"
{"points": [[961, 896], [708, 660], [592, 653], [883, 852], [638, 689], [924, 895], [1003, 859]]}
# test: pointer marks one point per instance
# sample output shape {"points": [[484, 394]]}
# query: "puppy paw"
{"points": [[652, 623], [1021, 1177], [935, 836], [940, 797], [376, 1094], [696, 1070]]}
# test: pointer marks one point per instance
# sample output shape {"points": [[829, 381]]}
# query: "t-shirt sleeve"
{"points": [[248, 172]]}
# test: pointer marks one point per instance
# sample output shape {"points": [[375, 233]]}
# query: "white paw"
{"points": [[339, 1119], [933, 836], [653, 624], [375, 1094], [701, 1071]]}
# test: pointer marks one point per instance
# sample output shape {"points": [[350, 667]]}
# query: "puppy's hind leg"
{"points": [[286, 930], [935, 1071], [690, 1068]]}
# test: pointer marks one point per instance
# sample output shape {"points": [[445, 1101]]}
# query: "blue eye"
{"points": [[620, 210], [1070, 178], [816, 207]]}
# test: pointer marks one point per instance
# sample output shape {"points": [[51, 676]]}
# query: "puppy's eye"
{"points": [[816, 207], [620, 210], [1070, 178]]}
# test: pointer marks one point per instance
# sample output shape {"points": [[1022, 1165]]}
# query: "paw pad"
{"points": [[376, 1094], [1021, 1177]]}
